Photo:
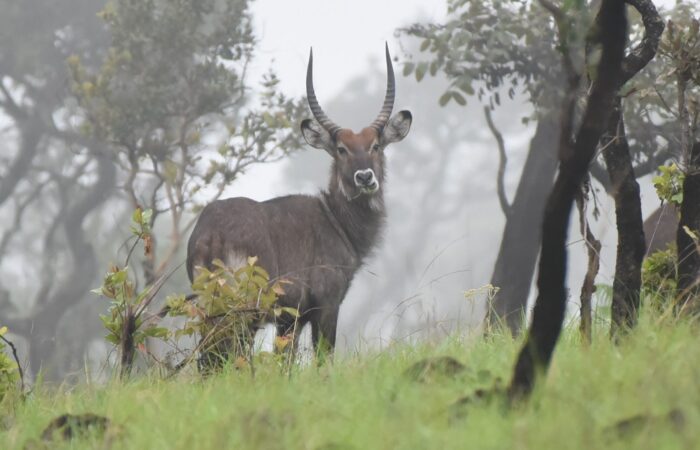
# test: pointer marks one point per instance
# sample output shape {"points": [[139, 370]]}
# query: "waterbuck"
{"points": [[316, 242]]}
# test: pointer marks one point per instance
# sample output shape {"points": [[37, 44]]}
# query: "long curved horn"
{"points": [[388, 106], [318, 113]]}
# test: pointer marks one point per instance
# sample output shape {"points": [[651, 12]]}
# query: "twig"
{"points": [[644, 52], [19, 366], [503, 160]]}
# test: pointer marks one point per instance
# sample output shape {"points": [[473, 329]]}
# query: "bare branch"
{"points": [[19, 213], [644, 52], [19, 365], [31, 136], [10, 105], [503, 160]]}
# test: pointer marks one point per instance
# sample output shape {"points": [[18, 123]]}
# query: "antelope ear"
{"points": [[315, 135], [397, 128]]}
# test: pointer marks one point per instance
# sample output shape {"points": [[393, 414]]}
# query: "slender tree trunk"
{"points": [[630, 226], [520, 243], [548, 314], [127, 346], [593, 250], [688, 255]]}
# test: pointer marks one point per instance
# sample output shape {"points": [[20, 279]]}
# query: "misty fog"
{"points": [[444, 221]]}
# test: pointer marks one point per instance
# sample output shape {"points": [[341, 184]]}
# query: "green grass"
{"points": [[366, 402]]}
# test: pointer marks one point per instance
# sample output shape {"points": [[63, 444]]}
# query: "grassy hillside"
{"points": [[370, 402]]}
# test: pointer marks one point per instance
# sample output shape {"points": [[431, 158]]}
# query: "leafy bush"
{"points": [[660, 269], [669, 184], [125, 318], [225, 309], [125, 301], [659, 276], [227, 306]]}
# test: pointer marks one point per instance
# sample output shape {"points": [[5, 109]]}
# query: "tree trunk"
{"points": [[127, 346], [630, 226], [520, 243], [548, 314], [593, 249], [688, 255]]}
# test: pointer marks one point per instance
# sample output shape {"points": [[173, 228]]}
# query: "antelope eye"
{"points": [[341, 150], [375, 147]]}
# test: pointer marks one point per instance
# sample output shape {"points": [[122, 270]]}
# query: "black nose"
{"points": [[364, 178]]}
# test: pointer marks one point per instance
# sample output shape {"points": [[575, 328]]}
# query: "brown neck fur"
{"points": [[361, 218]]}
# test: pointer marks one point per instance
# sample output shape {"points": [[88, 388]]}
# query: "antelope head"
{"points": [[359, 157]]}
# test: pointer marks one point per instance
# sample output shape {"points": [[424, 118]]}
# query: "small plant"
{"points": [[488, 290], [125, 319], [669, 184], [660, 269], [9, 370], [659, 275], [228, 306]]}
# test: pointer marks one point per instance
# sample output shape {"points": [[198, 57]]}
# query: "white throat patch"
{"points": [[342, 190], [375, 203]]}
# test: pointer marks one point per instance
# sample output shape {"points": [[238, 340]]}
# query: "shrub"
{"points": [[226, 309]]}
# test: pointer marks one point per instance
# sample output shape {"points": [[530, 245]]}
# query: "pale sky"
{"points": [[345, 35]]}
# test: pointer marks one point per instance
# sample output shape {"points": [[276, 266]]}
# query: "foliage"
{"points": [[366, 401], [125, 320], [659, 275], [669, 184], [663, 111], [125, 301], [681, 45], [171, 99], [134, 103], [487, 48], [9, 374], [228, 305]]}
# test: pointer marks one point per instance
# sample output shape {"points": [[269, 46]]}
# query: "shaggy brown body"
{"points": [[316, 242]]}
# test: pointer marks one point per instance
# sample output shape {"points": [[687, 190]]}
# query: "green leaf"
{"points": [[157, 332], [146, 217], [136, 216], [445, 98], [459, 98], [433, 68], [421, 69], [466, 87], [170, 171], [291, 311], [408, 68]]}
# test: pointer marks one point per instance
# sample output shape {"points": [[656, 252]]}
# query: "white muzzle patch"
{"points": [[366, 181]]}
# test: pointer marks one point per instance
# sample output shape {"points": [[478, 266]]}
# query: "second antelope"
{"points": [[316, 242]]}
